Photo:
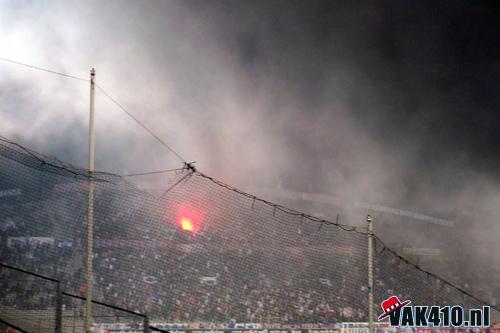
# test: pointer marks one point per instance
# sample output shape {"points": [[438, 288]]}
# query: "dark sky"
{"points": [[391, 102], [420, 78], [425, 69]]}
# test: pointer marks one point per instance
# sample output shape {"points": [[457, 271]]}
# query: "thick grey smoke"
{"points": [[388, 104]]}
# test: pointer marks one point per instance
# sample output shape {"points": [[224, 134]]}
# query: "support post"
{"points": [[369, 220], [90, 210], [146, 324], [58, 308]]}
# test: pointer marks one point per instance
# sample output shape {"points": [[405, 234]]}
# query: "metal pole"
{"points": [[90, 211], [146, 324], [59, 308], [369, 220]]}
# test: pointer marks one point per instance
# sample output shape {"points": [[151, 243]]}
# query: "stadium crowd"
{"points": [[251, 272]]}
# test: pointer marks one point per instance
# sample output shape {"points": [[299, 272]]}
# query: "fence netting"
{"points": [[201, 252], [73, 317], [27, 301]]}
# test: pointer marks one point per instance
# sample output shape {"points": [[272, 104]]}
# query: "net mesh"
{"points": [[27, 301], [73, 316], [201, 252]]}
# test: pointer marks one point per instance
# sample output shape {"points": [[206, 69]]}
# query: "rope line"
{"points": [[141, 124], [75, 171], [152, 172], [44, 69], [189, 174], [17, 328], [438, 278], [105, 94], [359, 230]]}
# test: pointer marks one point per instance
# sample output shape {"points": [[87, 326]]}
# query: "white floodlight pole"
{"points": [[369, 220], [90, 208]]}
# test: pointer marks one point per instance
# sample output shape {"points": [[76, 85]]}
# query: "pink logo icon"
{"points": [[390, 305]]}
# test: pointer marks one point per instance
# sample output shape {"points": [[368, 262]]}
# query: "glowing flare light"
{"points": [[187, 224]]}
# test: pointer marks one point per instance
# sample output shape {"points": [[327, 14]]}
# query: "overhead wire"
{"points": [[44, 69], [162, 142], [141, 123], [152, 172]]}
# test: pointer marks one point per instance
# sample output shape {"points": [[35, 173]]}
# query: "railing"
{"points": [[31, 302]]}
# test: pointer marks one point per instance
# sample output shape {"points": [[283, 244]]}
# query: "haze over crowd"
{"points": [[391, 103]]}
